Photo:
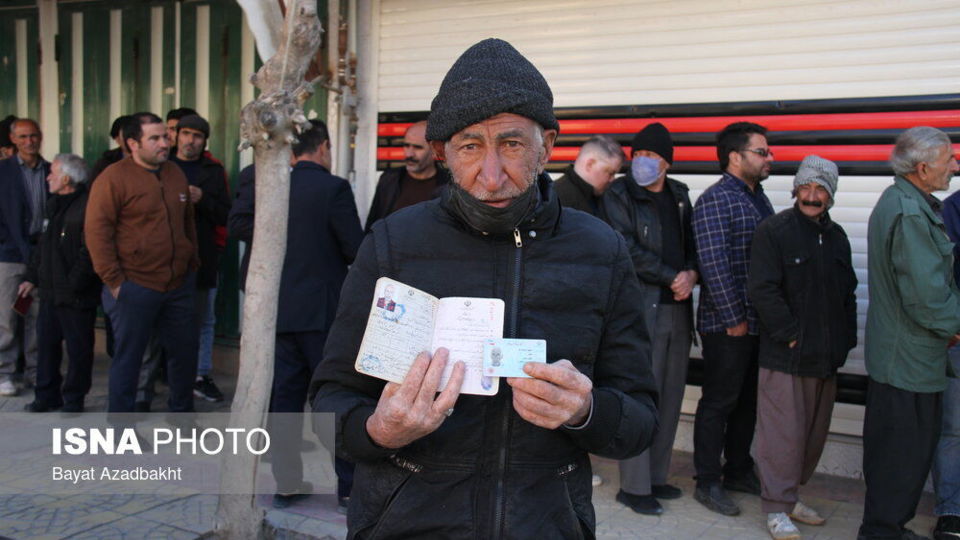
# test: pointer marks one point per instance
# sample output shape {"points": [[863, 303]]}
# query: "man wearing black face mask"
{"points": [[652, 212], [514, 464], [802, 283]]}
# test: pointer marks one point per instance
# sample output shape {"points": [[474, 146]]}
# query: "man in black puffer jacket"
{"points": [[69, 291], [515, 464], [802, 283]]}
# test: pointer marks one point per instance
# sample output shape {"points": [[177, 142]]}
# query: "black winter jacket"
{"points": [[61, 268], [486, 473], [388, 190], [211, 212], [574, 192], [803, 285], [632, 213]]}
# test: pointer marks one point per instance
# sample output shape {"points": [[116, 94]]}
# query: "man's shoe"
{"points": [[747, 483], [805, 514], [141, 406], [716, 499], [907, 534], [781, 528], [343, 503], [205, 388], [281, 501], [666, 492], [39, 406], [641, 504], [72, 407], [948, 528], [8, 389]]}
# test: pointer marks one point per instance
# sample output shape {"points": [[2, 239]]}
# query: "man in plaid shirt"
{"points": [[724, 220]]}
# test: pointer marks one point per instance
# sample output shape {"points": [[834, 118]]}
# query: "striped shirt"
{"points": [[35, 187], [724, 220]]}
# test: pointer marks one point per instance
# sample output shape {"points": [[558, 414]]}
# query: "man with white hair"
{"points": [[68, 288], [583, 184], [802, 283], [914, 315]]}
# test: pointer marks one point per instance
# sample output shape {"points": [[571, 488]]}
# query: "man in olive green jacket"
{"points": [[914, 315]]}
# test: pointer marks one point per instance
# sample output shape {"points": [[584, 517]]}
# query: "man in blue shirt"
{"points": [[724, 220]]}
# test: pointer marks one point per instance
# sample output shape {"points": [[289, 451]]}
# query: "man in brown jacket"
{"points": [[141, 236]]}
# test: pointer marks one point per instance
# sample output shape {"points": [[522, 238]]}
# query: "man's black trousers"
{"points": [[900, 434], [727, 411], [56, 325]]}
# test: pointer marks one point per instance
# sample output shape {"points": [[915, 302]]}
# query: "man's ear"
{"points": [[438, 147], [549, 137]]}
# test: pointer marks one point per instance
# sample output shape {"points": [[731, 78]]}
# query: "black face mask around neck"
{"points": [[490, 219]]}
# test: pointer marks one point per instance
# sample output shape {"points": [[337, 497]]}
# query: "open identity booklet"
{"points": [[405, 321]]}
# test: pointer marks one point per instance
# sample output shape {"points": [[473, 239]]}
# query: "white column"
{"points": [[49, 78], [156, 60], [177, 30], [202, 105], [76, 92], [368, 47], [248, 49]]}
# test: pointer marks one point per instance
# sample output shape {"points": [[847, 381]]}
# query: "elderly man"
{"points": [[583, 184], [515, 464], [724, 220], [69, 291], [804, 288], [652, 212], [23, 193], [914, 315], [419, 180]]}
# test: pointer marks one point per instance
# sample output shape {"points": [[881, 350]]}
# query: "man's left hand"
{"points": [[195, 194], [683, 284], [557, 394]]}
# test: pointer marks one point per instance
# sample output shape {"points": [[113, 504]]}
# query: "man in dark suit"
{"points": [[23, 193], [323, 235]]}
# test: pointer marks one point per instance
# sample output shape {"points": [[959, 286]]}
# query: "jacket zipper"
{"points": [[505, 423]]}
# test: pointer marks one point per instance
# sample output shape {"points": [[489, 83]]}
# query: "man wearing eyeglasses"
{"points": [[724, 220]]}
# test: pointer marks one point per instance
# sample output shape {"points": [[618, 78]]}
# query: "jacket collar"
{"points": [[928, 201], [641, 193], [578, 182], [823, 225], [735, 183], [307, 164]]}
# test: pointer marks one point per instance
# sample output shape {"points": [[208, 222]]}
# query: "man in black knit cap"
{"points": [[514, 464]]}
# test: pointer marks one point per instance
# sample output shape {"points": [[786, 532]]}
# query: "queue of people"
{"points": [[603, 269]]}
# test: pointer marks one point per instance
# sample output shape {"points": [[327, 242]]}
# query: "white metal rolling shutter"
{"points": [[616, 52]]}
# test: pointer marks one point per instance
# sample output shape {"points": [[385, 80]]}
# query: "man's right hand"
{"points": [[115, 291], [408, 411], [738, 330]]}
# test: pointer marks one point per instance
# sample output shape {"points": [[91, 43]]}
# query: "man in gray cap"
{"points": [[802, 283], [514, 464]]}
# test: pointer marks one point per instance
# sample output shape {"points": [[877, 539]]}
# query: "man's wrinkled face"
{"points": [[190, 144], [812, 199], [56, 180], [498, 159], [936, 175], [27, 138], [172, 130], [153, 148], [417, 155]]}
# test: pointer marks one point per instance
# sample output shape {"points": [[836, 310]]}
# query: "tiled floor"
{"points": [[38, 516]]}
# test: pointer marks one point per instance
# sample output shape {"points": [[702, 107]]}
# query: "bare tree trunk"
{"points": [[269, 124]]}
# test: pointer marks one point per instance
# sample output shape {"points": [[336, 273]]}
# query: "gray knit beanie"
{"points": [[819, 170], [489, 78]]}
